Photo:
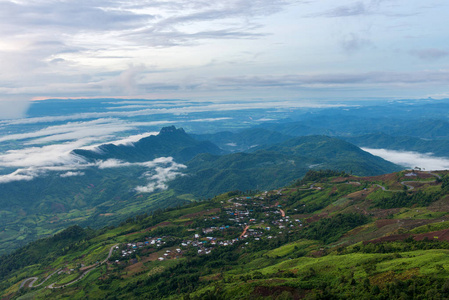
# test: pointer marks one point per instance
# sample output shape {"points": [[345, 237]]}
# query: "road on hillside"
{"points": [[52, 286], [282, 213], [244, 231]]}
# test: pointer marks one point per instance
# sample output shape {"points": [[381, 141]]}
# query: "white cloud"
{"points": [[18, 175], [115, 48], [205, 107], [45, 156], [112, 163], [160, 171], [130, 140], [159, 177], [411, 159], [13, 108], [71, 174], [99, 128]]}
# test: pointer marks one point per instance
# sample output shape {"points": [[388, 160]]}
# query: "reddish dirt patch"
{"points": [[383, 213], [316, 218], [357, 195], [201, 213], [441, 235], [423, 175], [386, 177], [87, 267], [384, 222], [275, 291], [134, 268], [318, 253], [390, 238], [58, 207], [354, 231], [166, 223], [418, 184], [344, 179]]}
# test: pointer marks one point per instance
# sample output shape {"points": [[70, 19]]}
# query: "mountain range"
{"points": [[118, 181]]}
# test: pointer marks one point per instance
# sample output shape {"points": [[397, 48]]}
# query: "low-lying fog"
{"points": [[411, 159]]}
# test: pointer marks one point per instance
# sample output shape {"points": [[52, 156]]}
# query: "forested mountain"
{"points": [[276, 165], [170, 141]]}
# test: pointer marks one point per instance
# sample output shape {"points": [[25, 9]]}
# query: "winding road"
{"points": [[32, 280]]}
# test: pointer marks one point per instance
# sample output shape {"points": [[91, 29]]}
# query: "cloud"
{"points": [[199, 17], [353, 42], [159, 176], [126, 83], [362, 8], [35, 162], [13, 107], [63, 15], [18, 175], [339, 79], [92, 48], [353, 9], [227, 106], [411, 159], [160, 171], [71, 174], [430, 54], [72, 131], [130, 140], [45, 156]]}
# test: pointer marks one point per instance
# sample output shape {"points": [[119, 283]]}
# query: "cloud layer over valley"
{"points": [[412, 159]]}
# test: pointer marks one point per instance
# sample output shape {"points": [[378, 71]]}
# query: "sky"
{"points": [[221, 50]]}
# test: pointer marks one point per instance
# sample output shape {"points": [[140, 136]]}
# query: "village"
{"points": [[250, 219]]}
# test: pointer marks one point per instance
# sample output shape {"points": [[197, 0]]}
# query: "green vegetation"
{"points": [[330, 230], [345, 251], [403, 199]]}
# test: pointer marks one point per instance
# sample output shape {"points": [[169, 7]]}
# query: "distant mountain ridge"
{"points": [[270, 166], [243, 140], [169, 142]]}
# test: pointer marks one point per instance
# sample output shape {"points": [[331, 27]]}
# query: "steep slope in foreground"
{"points": [[330, 236]]}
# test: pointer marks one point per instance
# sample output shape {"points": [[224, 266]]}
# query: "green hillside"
{"points": [[329, 235], [276, 165]]}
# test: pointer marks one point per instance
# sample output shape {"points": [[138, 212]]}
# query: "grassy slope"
{"points": [[305, 262]]}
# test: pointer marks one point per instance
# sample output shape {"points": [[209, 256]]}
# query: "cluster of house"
{"points": [[242, 215], [286, 222]]}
